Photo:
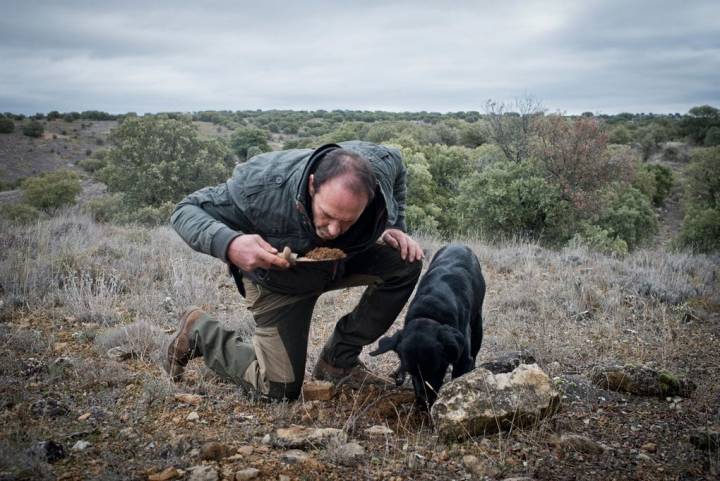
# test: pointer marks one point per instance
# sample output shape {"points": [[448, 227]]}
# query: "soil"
{"points": [[325, 254]]}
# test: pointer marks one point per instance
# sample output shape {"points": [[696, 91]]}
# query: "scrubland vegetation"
{"points": [[566, 213]]}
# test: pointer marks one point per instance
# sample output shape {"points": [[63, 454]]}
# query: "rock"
{"points": [[203, 473], [705, 439], [245, 450], [581, 444], [165, 475], [578, 388], [60, 346], [482, 402], [50, 408], [318, 390], [644, 457], [214, 451], [508, 361], [192, 399], [193, 416], [641, 380], [348, 454], [120, 353], [81, 445], [246, 474], [283, 477], [649, 447], [84, 417], [379, 430], [304, 437], [473, 464], [295, 456], [48, 451]]}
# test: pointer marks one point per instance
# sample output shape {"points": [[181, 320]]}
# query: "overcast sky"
{"points": [[145, 56]]}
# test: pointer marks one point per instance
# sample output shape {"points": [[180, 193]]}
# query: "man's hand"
{"points": [[251, 251], [409, 249]]}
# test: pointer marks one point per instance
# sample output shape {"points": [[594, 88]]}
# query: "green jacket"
{"points": [[268, 196]]}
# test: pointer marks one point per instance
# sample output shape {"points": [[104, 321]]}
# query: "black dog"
{"points": [[443, 325]]}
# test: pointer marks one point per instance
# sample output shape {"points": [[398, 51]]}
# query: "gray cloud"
{"points": [[602, 56]]}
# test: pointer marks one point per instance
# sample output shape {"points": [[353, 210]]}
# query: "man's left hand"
{"points": [[409, 249]]}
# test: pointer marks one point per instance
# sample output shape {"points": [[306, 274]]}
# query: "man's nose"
{"points": [[334, 229]]}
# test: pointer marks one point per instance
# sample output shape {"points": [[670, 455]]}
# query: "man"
{"points": [[347, 196]]}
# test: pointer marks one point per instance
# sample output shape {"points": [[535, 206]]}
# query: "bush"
{"points": [[598, 239], [513, 199], [7, 126], [245, 138], [627, 215], [94, 163], [20, 213], [108, 208], [156, 160], [655, 181], [619, 135], [712, 137], [700, 231], [51, 190], [33, 129]]}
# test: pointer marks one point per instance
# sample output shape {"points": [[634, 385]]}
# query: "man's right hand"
{"points": [[251, 251]]}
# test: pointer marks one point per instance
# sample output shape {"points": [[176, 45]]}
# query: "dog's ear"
{"points": [[453, 342], [387, 343]]}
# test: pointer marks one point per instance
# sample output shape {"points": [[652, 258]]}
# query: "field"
{"points": [[72, 289]]}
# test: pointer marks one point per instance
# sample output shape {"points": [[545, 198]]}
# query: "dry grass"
{"points": [[69, 279]]}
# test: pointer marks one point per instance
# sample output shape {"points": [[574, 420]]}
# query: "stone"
{"points": [[81, 445], [379, 430], [318, 391], [473, 464], [192, 399], [245, 450], [295, 456], [49, 451], [641, 380], [507, 361], [84, 417], [60, 346], [305, 437], [203, 473], [576, 388], [481, 402], [120, 353], [705, 439], [283, 477], [193, 416], [348, 454], [246, 474], [649, 447], [582, 444], [644, 457], [49, 407], [165, 475], [214, 451]]}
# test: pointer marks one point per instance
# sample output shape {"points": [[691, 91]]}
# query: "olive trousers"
{"points": [[282, 303]]}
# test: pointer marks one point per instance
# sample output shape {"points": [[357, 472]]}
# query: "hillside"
{"points": [[73, 289]]}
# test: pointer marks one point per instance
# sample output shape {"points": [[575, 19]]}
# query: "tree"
{"points": [[246, 137], [7, 126], [33, 128], [159, 160], [712, 137], [512, 131], [698, 121]]}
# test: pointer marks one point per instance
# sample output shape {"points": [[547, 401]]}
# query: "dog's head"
{"points": [[426, 348]]}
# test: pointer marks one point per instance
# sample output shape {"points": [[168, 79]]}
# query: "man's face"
{"points": [[335, 208]]}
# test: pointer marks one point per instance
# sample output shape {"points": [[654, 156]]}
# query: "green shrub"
{"points": [[245, 138], [513, 199], [108, 208], [20, 213], [655, 181], [700, 231], [598, 239], [702, 186], [712, 137], [33, 129], [619, 135], [627, 215], [150, 215], [51, 190], [94, 163], [7, 125]]}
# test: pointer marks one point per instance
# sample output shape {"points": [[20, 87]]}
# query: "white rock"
{"points": [[193, 416], [379, 430], [203, 473], [482, 402], [247, 474], [302, 437], [295, 456], [81, 445]]}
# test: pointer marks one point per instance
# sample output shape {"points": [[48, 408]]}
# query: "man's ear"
{"points": [[311, 186], [387, 343], [453, 342]]}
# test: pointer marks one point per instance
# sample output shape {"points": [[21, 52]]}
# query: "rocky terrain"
{"points": [[87, 309]]}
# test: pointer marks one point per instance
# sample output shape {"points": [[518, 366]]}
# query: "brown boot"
{"points": [[182, 346], [354, 377]]}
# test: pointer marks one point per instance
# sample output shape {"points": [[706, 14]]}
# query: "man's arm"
{"points": [[209, 222]]}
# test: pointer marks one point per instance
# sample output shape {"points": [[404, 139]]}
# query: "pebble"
{"points": [[649, 447], [644, 457], [165, 475], [245, 450], [379, 430], [246, 474], [349, 453], [83, 417], [192, 399], [81, 445], [203, 473], [295, 456], [214, 451], [193, 416]]}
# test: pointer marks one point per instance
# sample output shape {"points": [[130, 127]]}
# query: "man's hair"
{"points": [[356, 170]]}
